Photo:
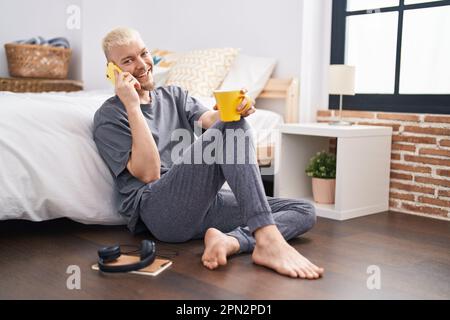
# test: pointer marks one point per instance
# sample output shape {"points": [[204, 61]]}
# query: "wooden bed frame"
{"points": [[288, 90]]}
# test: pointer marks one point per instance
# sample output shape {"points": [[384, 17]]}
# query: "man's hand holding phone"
{"points": [[125, 85]]}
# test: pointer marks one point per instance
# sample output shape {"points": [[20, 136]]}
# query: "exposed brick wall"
{"points": [[420, 159]]}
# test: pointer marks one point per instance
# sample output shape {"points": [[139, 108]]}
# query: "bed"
{"points": [[50, 166]]}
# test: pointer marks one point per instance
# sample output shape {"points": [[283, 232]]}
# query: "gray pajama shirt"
{"points": [[189, 197]]}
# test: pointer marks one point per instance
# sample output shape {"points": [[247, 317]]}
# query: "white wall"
{"points": [[23, 19], [258, 27], [314, 58]]}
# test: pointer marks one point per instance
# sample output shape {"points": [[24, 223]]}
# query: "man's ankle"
{"points": [[267, 234], [235, 244]]}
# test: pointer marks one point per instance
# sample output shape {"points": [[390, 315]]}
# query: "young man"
{"points": [[178, 198]]}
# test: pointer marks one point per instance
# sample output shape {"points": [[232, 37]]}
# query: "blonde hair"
{"points": [[118, 37]]}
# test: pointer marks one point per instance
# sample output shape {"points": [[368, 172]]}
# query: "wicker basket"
{"points": [[36, 61]]}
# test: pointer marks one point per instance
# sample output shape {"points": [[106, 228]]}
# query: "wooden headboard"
{"points": [[287, 89]]}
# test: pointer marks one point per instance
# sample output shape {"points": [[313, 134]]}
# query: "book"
{"points": [[158, 266]]}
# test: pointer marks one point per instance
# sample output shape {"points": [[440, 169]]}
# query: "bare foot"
{"points": [[218, 246], [273, 252]]}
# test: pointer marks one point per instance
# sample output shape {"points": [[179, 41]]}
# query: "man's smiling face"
{"points": [[136, 59]]}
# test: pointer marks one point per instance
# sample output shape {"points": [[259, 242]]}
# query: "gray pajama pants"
{"points": [[189, 198]]}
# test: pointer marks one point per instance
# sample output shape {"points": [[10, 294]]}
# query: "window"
{"points": [[401, 53]]}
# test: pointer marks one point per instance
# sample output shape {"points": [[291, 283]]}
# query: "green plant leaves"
{"points": [[322, 165]]}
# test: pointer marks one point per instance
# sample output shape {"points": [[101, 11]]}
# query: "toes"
{"points": [[320, 270], [313, 266], [306, 272], [293, 274], [213, 262], [301, 274], [310, 274], [210, 264], [316, 269], [315, 274]]}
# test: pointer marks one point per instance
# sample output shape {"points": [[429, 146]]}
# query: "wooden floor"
{"points": [[413, 254]]}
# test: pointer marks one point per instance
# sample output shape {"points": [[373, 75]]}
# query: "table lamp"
{"points": [[341, 82]]}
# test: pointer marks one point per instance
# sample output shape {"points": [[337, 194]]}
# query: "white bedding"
{"points": [[50, 166]]}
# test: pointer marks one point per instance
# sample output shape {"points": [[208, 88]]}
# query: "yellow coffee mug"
{"points": [[227, 103]]}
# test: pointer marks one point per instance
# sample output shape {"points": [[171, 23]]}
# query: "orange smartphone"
{"points": [[110, 72]]}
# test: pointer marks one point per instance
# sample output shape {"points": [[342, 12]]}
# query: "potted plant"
{"points": [[322, 169]]}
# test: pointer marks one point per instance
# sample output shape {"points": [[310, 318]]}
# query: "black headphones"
{"points": [[108, 254]]}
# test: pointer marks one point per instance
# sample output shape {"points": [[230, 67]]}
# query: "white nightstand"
{"points": [[362, 166]]}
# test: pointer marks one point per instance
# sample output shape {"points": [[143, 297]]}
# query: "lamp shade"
{"points": [[341, 79]]}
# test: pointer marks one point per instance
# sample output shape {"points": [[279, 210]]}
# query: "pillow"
{"points": [[202, 71], [164, 58], [50, 164], [249, 72], [160, 75]]}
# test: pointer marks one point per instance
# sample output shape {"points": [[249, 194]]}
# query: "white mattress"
{"points": [[50, 164]]}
